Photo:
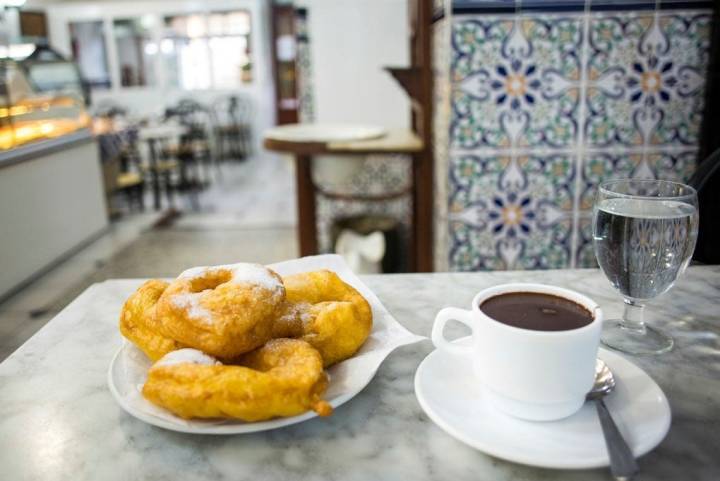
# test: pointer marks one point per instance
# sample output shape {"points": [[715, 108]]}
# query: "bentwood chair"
{"points": [[232, 127], [706, 181]]}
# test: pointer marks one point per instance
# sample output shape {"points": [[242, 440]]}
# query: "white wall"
{"points": [[48, 205], [351, 41], [153, 100]]}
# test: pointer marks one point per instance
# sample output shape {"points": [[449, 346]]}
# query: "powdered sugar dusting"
{"points": [[187, 356], [190, 302], [300, 310], [241, 273]]}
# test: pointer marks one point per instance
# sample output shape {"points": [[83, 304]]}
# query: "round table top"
{"points": [[161, 131], [304, 133], [312, 139]]}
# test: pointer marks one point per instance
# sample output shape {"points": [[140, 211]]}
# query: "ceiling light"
{"points": [[12, 3]]}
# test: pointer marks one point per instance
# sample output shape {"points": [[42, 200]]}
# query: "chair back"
{"points": [[706, 181], [232, 110], [195, 117], [705, 171]]}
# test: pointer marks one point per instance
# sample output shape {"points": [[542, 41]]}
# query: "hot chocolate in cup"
{"points": [[533, 347]]}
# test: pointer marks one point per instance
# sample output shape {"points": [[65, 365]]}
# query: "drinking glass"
{"points": [[644, 233]]}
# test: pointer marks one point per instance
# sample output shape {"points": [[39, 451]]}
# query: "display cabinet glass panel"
{"points": [[31, 113]]}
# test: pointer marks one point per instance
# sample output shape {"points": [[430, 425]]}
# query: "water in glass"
{"points": [[642, 244]]}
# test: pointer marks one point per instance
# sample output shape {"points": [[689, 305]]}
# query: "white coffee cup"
{"points": [[529, 374]]}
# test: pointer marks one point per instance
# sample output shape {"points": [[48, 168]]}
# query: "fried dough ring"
{"points": [[137, 321], [326, 312], [223, 311], [283, 378]]}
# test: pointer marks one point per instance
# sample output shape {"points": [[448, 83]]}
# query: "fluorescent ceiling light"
{"points": [[18, 51], [12, 3]]}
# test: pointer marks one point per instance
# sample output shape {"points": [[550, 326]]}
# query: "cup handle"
{"points": [[438, 336]]}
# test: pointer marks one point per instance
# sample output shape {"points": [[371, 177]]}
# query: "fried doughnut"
{"points": [[223, 311], [326, 312], [283, 378], [137, 321]]}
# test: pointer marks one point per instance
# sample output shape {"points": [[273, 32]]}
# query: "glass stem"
{"points": [[632, 318]]}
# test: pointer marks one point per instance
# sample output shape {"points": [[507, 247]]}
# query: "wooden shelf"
{"points": [[410, 79]]}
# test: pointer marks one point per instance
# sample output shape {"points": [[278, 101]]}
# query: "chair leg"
{"points": [[247, 142], [128, 194], [195, 197], [222, 153], [207, 160], [218, 170], [169, 189], [141, 197]]}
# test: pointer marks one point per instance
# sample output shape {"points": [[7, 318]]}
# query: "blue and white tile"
{"points": [[601, 166], [509, 212], [516, 81], [646, 78]]}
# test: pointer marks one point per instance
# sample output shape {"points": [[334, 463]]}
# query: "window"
{"points": [[202, 51], [135, 51], [88, 47], [230, 48], [192, 51], [185, 52]]}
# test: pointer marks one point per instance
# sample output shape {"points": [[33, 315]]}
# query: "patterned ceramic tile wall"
{"points": [[546, 106], [303, 62], [377, 175], [441, 139]]}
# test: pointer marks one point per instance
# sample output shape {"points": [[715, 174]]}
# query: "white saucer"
{"points": [[450, 395]]}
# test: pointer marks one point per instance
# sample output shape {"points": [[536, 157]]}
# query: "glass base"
{"points": [[635, 341]]}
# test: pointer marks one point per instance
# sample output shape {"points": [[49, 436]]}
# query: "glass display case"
{"points": [[41, 97]]}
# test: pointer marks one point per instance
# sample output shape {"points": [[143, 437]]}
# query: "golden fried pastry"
{"points": [[137, 321], [285, 377], [223, 311], [326, 312]]}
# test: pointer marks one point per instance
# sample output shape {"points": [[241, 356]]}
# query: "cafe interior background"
{"points": [[139, 137]]}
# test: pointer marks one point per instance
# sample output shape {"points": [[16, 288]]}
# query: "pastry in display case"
{"points": [[41, 96]]}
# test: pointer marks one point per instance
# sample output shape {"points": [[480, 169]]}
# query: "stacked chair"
{"points": [[121, 166], [193, 154], [232, 117]]}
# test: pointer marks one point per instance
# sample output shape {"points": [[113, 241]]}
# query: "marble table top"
{"points": [[58, 420]]}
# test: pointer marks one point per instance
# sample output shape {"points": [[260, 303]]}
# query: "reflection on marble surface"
{"points": [[58, 420]]}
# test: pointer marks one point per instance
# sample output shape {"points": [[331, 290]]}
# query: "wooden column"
{"points": [[421, 61], [284, 71], [307, 224]]}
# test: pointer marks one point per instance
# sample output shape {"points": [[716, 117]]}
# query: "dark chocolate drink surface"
{"points": [[536, 311]]}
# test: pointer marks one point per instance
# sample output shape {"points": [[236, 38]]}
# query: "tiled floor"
{"points": [[247, 216]]}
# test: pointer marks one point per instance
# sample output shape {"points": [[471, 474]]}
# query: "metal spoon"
{"points": [[622, 462]]}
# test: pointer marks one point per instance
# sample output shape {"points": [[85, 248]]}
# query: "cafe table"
{"points": [[304, 142], [154, 135], [58, 420]]}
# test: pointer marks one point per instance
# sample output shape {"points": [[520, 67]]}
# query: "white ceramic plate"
{"points": [[324, 133], [129, 367], [448, 392]]}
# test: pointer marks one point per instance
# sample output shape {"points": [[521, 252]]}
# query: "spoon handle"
{"points": [[622, 462]]}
